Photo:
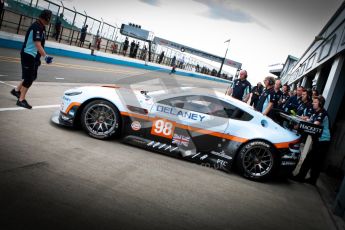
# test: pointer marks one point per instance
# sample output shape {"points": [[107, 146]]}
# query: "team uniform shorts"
{"points": [[29, 69]]}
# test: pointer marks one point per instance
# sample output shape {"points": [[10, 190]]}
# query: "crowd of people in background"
{"points": [[95, 43], [82, 35], [273, 98]]}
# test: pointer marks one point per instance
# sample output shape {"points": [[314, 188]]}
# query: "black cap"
{"points": [[46, 15]]}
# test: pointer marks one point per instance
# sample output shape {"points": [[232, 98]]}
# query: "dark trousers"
{"points": [[254, 101], [314, 160], [57, 33], [173, 70], [29, 69]]}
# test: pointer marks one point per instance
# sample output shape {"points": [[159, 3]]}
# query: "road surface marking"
{"points": [[78, 67], [34, 107], [7, 84]]}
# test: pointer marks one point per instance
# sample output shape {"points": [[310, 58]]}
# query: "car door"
{"points": [[136, 120], [208, 133], [192, 120], [218, 138], [169, 126]]}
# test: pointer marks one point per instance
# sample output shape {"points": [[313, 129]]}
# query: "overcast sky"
{"points": [[262, 32]]}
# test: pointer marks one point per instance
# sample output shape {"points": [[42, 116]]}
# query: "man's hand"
{"points": [[48, 59]]}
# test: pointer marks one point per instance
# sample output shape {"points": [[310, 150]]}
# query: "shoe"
{"points": [[24, 104], [15, 93], [297, 179]]}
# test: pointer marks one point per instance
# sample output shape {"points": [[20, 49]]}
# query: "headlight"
{"points": [[73, 93]]}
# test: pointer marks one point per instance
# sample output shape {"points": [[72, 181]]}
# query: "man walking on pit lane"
{"points": [[32, 50]]}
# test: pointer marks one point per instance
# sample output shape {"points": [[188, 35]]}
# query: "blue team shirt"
{"points": [[266, 97], [322, 117], [36, 32], [277, 97], [241, 89], [292, 103], [305, 109]]}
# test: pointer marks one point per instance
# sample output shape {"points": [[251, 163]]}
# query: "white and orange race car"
{"points": [[208, 128]]}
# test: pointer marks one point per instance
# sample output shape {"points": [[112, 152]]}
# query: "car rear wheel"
{"points": [[100, 119], [257, 160]]}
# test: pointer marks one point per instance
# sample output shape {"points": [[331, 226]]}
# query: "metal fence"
{"points": [[18, 15]]}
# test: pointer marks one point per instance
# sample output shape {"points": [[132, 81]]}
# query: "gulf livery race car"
{"points": [[208, 128]]}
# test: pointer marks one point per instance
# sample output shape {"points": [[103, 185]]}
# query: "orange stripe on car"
{"points": [[194, 129], [111, 86], [285, 145], [71, 106], [282, 145], [135, 115]]}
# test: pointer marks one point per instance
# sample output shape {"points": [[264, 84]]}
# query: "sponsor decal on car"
{"points": [[222, 163], [288, 163], [163, 128], [136, 126], [221, 154], [163, 146], [180, 113], [187, 153], [196, 155], [180, 140], [292, 157], [203, 157], [66, 99]]}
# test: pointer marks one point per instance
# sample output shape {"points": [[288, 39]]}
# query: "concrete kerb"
{"points": [[15, 41]]}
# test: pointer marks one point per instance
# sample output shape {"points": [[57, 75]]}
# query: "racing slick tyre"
{"points": [[257, 160], [101, 119]]}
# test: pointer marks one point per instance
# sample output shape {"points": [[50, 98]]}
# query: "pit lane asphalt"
{"points": [[57, 178]]}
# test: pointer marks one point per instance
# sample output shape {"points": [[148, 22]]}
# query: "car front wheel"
{"points": [[100, 119]]}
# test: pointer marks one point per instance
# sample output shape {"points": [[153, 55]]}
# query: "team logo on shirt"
{"points": [[38, 34]]}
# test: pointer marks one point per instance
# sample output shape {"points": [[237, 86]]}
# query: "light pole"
{"points": [[102, 26], [116, 30], [221, 66]]}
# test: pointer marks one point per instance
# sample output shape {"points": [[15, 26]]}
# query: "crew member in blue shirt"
{"points": [[241, 88], [316, 156], [267, 99], [284, 97], [31, 52], [292, 104], [305, 109]]}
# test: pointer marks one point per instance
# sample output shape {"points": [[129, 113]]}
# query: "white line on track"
{"points": [[3, 75], [59, 78], [34, 107], [7, 84]]}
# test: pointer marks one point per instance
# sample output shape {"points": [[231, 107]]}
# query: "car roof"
{"points": [[159, 95]]}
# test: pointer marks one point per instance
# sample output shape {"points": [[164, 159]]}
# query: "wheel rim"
{"points": [[258, 161], [100, 119]]}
